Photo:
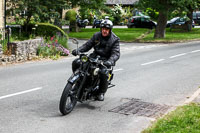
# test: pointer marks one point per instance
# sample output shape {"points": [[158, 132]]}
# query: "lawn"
{"points": [[128, 35], [175, 36], [185, 119], [133, 34]]}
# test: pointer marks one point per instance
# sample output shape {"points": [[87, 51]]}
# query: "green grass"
{"points": [[132, 34], [185, 119], [83, 34], [127, 35], [175, 36]]}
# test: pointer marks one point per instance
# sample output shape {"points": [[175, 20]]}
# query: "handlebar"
{"points": [[96, 60]]}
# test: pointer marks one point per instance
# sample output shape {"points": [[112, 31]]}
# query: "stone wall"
{"points": [[23, 51]]}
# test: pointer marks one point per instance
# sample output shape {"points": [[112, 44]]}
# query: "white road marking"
{"points": [[152, 62], [174, 56], [19, 93], [192, 97], [118, 70], [195, 51]]}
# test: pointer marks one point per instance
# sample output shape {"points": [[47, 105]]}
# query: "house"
{"points": [[121, 2], [2, 14]]}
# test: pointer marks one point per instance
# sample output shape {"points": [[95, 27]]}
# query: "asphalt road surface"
{"points": [[155, 74]]}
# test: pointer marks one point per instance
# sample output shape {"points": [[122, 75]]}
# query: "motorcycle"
{"points": [[82, 23], [83, 84], [96, 23]]}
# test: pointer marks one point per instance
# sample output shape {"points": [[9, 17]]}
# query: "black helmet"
{"points": [[106, 24]]}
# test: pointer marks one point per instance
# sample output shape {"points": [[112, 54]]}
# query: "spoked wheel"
{"points": [[68, 100]]}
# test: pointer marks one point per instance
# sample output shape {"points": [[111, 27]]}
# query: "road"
{"points": [[156, 74]]}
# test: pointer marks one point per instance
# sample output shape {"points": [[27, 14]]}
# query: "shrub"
{"points": [[117, 12], [46, 29], [4, 45], [39, 29], [71, 16]]}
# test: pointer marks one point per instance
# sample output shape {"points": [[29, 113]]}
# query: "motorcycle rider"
{"points": [[106, 45]]}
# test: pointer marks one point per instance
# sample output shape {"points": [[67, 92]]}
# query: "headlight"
{"points": [[84, 58]]}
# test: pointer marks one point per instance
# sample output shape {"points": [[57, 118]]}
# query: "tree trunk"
{"points": [[161, 25], [74, 27], [190, 16], [27, 22], [77, 29]]}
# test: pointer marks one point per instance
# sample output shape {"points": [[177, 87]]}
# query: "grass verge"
{"points": [[185, 119]]}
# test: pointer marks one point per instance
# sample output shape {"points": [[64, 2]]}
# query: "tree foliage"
{"points": [[90, 7], [37, 10]]}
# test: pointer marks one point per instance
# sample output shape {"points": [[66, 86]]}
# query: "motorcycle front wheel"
{"points": [[68, 100]]}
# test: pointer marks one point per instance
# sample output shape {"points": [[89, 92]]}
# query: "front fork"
{"points": [[76, 77]]}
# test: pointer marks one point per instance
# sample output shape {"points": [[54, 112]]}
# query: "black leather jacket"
{"points": [[106, 47]]}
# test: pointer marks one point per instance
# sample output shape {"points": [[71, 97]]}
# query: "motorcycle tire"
{"points": [[67, 101]]}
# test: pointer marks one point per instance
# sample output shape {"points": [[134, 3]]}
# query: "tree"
{"points": [[189, 6], [38, 10], [90, 5], [161, 6], [88, 8], [165, 8]]}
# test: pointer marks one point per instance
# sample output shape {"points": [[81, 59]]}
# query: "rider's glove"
{"points": [[75, 52], [107, 63]]}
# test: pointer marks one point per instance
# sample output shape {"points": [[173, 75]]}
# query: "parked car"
{"points": [[141, 22], [196, 17], [178, 21]]}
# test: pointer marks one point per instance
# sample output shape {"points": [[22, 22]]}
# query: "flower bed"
{"points": [[52, 49]]}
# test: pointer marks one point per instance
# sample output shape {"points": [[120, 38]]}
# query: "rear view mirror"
{"points": [[75, 41]]}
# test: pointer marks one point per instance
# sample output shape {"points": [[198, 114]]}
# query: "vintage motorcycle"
{"points": [[83, 84], [81, 23], [96, 23]]}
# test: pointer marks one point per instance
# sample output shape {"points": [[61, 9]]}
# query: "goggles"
{"points": [[106, 26]]}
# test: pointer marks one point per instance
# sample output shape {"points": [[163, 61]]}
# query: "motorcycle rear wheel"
{"points": [[67, 101]]}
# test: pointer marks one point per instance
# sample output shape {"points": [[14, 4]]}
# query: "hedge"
{"points": [[46, 29]]}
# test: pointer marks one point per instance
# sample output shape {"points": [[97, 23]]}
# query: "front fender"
{"points": [[74, 78]]}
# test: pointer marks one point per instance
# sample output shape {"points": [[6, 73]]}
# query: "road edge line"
{"points": [[195, 95]]}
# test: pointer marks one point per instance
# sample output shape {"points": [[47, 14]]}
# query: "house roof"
{"points": [[122, 2]]}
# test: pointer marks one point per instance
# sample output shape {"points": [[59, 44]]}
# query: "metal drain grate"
{"points": [[140, 108]]}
